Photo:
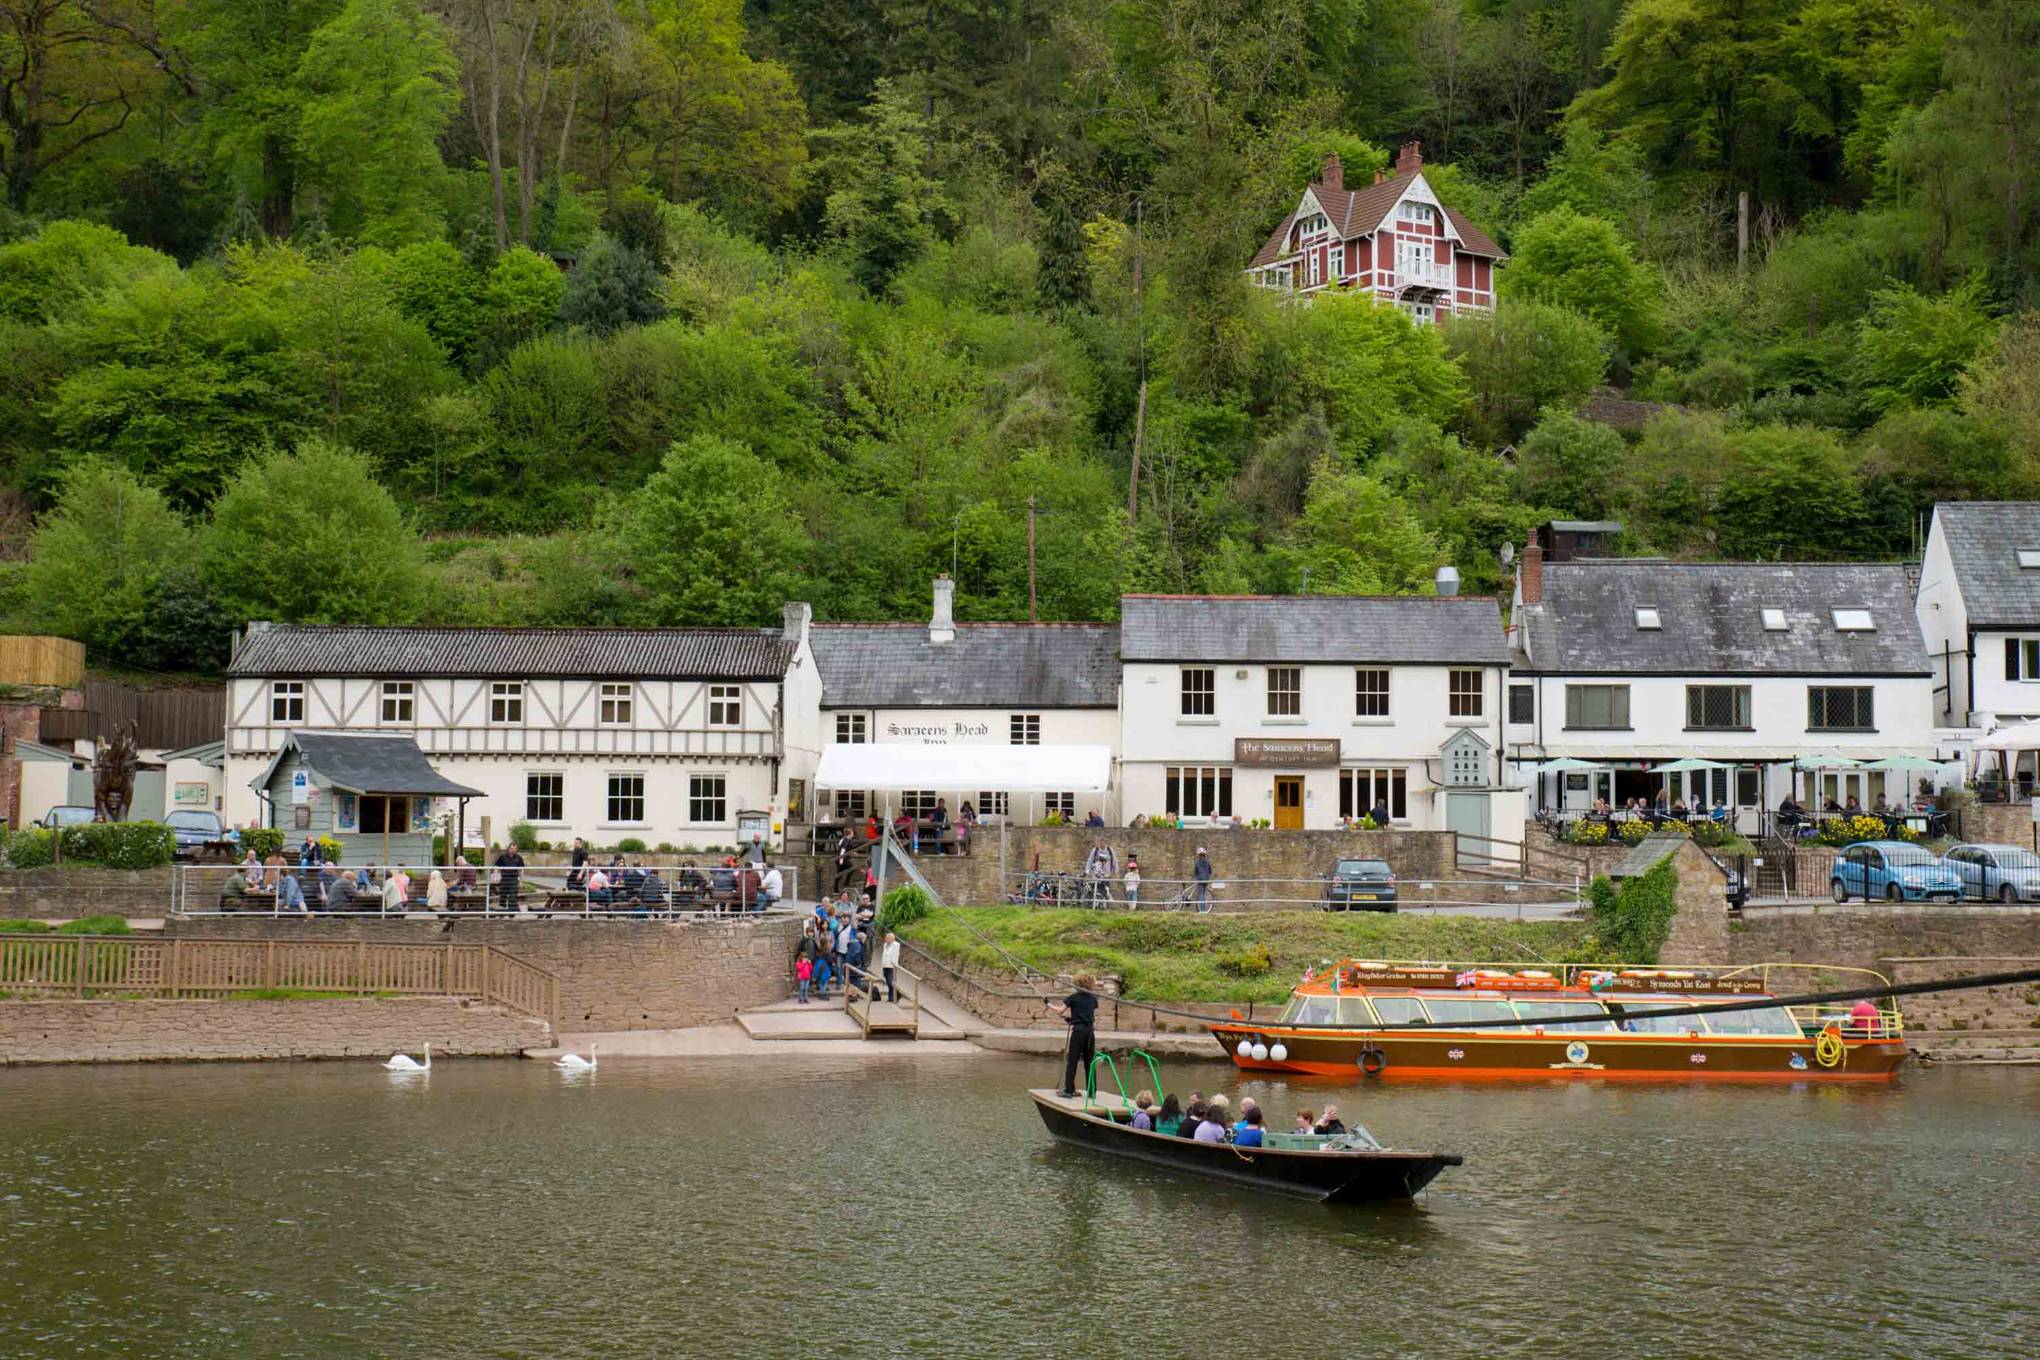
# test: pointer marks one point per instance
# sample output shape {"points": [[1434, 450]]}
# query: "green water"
{"points": [[917, 1207]]}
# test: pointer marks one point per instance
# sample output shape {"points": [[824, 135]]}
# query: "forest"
{"points": [[663, 312]]}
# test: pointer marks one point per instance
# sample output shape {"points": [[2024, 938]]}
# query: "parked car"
{"points": [[68, 814], [195, 830], [1360, 885], [1897, 871], [2001, 873]]}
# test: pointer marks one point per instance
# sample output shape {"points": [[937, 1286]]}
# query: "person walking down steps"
{"points": [[1079, 1011]]}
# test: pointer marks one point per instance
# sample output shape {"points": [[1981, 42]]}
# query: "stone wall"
{"points": [[66, 893], [999, 998], [613, 975], [200, 1031], [2014, 1008], [1857, 936], [1998, 823]]}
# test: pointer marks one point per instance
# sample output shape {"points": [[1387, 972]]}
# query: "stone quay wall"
{"points": [[613, 974], [221, 1031], [1003, 1001], [2003, 1009], [63, 892], [1859, 935]]}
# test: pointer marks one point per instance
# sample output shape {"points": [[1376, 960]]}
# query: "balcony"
{"points": [[1422, 274]]}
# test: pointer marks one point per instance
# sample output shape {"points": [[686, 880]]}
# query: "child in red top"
{"points": [[803, 972]]}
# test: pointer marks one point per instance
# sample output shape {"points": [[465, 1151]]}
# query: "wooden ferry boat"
{"points": [[1569, 1021]]}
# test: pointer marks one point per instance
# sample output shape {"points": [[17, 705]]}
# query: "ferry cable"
{"points": [[1655, 1011]]}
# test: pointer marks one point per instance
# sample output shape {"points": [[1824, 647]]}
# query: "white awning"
{"points": [[2018, 737], [1008, 769]]}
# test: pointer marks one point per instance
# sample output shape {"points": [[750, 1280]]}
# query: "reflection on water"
{"points": [[829, 1208]]}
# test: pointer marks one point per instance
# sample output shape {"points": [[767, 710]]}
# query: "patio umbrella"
{"points": [[1690, 763], [1827, 761], [1905, 763], [1563, 763]]}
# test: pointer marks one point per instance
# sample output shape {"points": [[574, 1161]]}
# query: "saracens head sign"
{"points": [[1285, 750], [938, 731]]}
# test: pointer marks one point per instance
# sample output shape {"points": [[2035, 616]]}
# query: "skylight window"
{"points": [[1774, 620], [2029, 557], [1647, 618], [1854, 621]]}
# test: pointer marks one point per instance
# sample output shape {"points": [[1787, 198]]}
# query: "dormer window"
{"points": [[1854, 621], [2029, 559], [1647, 619], [1774, 620]]}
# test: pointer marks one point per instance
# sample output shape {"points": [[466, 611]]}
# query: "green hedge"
{"points": [[902, 906], [263, 840], [1636, 918], [112, 845]]}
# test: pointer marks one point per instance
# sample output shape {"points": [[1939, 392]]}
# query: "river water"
{"points": [[916, 1207]]}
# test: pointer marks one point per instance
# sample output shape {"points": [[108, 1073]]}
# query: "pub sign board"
{"points": [[1288, 751]]}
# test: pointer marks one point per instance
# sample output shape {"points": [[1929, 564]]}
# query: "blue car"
{"points": [[1896, 871]]}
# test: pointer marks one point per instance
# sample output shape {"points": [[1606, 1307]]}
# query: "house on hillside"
{"points": [[1979, 612], [1393, 238]]}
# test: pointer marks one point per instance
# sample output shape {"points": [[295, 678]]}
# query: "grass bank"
{"points": [[89, 925], [1258, 957]]}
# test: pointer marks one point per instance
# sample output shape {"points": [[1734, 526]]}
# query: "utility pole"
{"points": [[1742, 232], [1032, 615], [1140, 325]]}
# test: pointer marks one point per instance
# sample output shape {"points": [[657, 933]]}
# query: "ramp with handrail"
{"points": [[867, 1001]]}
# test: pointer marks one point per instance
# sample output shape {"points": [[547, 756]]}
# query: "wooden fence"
{"points": [[30, 659], [94, 966], [167, 718]]}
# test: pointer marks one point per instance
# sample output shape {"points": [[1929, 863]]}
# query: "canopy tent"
{"points": [[1562, 764], [2017, 737], [1011, 769], [1898, 763]]}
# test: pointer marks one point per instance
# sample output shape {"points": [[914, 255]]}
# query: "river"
{"points": [[916, 1207]]}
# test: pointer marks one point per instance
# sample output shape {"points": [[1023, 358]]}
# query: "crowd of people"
{"points": [[1210, 1120], [836, 937]]}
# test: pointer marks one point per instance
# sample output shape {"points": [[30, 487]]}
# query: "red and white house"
{"points": [[1391, 238]]}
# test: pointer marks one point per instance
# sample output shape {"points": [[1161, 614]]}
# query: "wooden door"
{"points": [[1289, 802]]}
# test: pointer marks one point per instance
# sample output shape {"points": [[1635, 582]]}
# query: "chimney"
{"points": [[1530, 572], [1409, 159], [1380, 175], [1448, 580], [1334, 175], [797, 616], [942, 623]]}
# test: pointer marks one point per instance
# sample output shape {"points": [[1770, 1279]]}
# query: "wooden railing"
{"points": [[864, 1000], [93, 966]]}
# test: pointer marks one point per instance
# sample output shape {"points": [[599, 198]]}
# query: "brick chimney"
{"points": [[1409, 159], [942, 623], [1530, 572], [1334, 175], [1380, 175]]}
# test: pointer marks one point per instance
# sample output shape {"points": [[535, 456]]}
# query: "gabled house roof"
{"points": [[985, 665], [302, 650], [1357, 212], [1709, 619], [365, 765], [1311, 629], [1984, 539]]}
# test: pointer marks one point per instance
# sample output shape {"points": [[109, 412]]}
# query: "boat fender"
{"points": [[1279, 1052], [1372, 1061]]}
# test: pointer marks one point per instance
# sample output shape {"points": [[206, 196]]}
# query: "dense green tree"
{"points": [[97, 560], [1582, 263], [1573, 465], [1521, 358], [1913, 350], [521, 298], [883, 207], [613, 286], [710, 537], [1355, 537], [310, 536], [1366, 365], [433, 285], [1791, 493], [54, 273], [1062, 272]]}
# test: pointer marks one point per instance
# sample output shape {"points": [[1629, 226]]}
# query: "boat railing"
{"points": [[1570, 974], [1888, 1024], [1091, 1081]]}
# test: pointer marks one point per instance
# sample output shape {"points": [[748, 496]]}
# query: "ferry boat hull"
{"points": [[1473, 1056]]}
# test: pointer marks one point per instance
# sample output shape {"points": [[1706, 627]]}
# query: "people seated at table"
{"points": [[1852, 807], [651, 890], [235, 890], [1790, 814], [290, 894], [1601, 808], [1093, 820], [1680, 810], [598, 887], [435, 891]]}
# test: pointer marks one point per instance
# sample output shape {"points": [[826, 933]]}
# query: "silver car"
{"points": [[2002, 873]]}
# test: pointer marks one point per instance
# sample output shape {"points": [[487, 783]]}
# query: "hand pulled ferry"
{"points": [[1568, 1021]]}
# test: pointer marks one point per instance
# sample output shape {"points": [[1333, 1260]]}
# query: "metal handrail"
{"points": [[558, 899]]}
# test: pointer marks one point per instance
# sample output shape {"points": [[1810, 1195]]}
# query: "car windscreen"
{"points": [[1361, 868], [2017, 859], [194, 821]]}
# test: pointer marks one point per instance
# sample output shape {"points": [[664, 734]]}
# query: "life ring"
{"points": [[1828, 1049], [1372, 1061]]}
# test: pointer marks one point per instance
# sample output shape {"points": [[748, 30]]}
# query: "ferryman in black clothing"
{"points": [[1079, 1011]]}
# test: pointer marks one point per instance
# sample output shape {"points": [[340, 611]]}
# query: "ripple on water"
{"points": [[917, 1208]]}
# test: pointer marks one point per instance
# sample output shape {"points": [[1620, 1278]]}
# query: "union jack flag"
{"points": [[1309, 972], [1465, 979]]}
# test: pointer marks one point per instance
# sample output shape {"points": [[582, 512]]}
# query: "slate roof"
{"points": [[522, 653], [1983, 540], [1305, 629], [369, 765], [1712, 616], [986, 665], [1357, 212]]}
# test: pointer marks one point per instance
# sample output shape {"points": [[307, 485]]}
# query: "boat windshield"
{"points": [[1353, 1010], [1775, 1020], [1399, 1010], [1459, 1010], [1314, 1010], [1548, 1015]]}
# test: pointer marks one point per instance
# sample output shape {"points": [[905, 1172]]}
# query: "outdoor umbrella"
{"points": [[1828, 761], [1690, 763], [1564, 763], [1905, 763]]}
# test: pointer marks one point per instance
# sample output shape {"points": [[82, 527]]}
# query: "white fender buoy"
{"points": [[1260, 1052], [1280, 1052], [1246, 1048]]}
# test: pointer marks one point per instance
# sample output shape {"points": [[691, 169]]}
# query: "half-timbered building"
{"points": [[659, 734], [1394, 239]]}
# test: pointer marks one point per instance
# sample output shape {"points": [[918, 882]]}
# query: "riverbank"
{"points": [[1186, 957]]}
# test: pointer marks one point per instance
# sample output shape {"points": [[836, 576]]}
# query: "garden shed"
{"points": [[379, 797]]}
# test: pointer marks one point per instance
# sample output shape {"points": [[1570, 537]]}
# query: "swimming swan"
{"points": [[403, 1062], [574, 1062]]}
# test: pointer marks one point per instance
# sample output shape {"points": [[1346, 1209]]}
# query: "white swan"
{"points": [[574, 1062], [403, 1062]]}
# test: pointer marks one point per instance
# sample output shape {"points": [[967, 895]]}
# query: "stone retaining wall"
{"points": [[210, 1031], [65, 893], [614, 975], [1858, 935], [999, 998], [2015, 1008]]}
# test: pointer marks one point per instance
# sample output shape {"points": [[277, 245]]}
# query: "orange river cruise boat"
{"points": [[1570, 1021]]}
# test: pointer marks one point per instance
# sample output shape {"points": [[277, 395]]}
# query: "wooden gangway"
{"points": [[865, 1001]]}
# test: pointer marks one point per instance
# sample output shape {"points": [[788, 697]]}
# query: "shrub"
{"points": [[631, 845], [1848, 830], [902, 906], [665, 847], [30, 849], [1055, 819], [1584, 832], [523, 836], [263, 840], [121, 845], [1636, 918], [1712, 834], [1249, 962]]}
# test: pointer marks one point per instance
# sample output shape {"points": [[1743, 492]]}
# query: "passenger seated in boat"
{"points": [[1306, 1122], [1170, 1120], [1192, 1119], [1249, 1134], [1247, 1109], [1331, 1122], [1212, 1129], [1142, 1120]]}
